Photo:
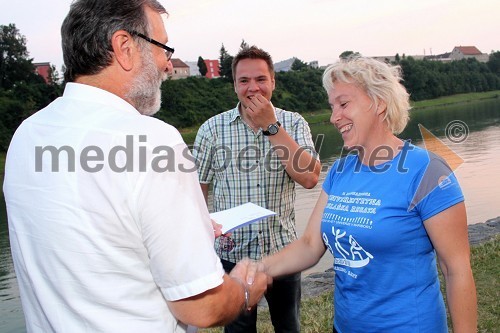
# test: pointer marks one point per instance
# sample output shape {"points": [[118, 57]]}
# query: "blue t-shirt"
{"points": [[386, 276]]}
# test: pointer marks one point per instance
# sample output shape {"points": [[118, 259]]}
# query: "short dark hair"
{"points": [[252, 52], [87, 30]]}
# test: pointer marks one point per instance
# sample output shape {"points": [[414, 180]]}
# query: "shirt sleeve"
{"points": [[203, 153], [302, 135], [328, 182], [436, 189], [177, 230]]}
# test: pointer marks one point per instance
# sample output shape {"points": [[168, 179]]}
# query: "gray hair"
{"points": [[380, 81], [87, 30]]}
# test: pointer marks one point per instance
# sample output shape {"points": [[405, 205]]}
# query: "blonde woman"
{"points": [[385, 213]]}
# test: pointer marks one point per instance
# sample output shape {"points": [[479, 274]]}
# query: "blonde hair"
{"points": [[379, 80]]}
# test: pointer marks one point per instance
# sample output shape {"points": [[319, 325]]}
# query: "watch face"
{"points": [[273, 129]]}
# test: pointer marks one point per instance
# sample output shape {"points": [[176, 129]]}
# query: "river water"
{"points": [[471, 130]]}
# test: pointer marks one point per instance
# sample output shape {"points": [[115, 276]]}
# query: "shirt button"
{"points": [[258, 185]]}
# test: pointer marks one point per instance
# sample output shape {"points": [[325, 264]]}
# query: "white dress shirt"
{"points": [[106, 217]]}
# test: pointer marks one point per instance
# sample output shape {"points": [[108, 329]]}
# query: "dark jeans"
{"points": [[283, 298]]}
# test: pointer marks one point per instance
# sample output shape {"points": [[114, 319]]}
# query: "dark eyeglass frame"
{"points": [[168, 50]]}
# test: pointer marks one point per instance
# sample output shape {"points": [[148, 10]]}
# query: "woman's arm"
{"points": [[305, 251], [448, 233]]}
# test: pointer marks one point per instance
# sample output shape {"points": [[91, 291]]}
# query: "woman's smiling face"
{"points": [[353, 113]]}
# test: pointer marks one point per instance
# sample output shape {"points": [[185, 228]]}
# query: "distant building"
{"points": [[444, 57], [212, 68], [181, 69], [193, 68], [43, 69], [459, 53], [466, 52], [393, 58], [285, 65]]}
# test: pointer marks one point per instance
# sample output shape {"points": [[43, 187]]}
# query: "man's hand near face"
{"points": [[260, 111]]}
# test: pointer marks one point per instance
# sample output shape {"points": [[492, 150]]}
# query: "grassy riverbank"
{"points": [[317, 312], [322, 116]]}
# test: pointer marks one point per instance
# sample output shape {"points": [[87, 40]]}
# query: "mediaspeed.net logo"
{"points": [[165, 159]]}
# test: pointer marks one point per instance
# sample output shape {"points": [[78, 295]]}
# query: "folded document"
{"points": [[239, 216]]}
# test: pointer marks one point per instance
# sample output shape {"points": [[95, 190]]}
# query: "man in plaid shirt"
{"points": [[255, 153]]}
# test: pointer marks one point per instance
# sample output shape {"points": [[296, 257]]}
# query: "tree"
{"points": [[243, 45], [298, 65], [494, 62], [54, 77], [202, 66], [15, 66], [225, 62], [22, 90], [347, 54]]}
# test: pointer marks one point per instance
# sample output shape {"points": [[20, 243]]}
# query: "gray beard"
{"points": [[145, 92]]}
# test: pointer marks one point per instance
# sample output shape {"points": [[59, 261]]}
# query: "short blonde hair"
{"points": [[379, 80]]}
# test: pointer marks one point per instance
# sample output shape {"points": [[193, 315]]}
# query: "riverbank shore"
{"points": [[316, 284], [323, 116]]}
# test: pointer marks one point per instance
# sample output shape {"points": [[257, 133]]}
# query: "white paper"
{"points": [[239, 216]]}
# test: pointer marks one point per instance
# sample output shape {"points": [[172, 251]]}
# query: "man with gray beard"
{"points": [[121, 241]]}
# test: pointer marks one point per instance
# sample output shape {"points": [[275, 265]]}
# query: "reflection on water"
{"points": [[11, 314], [478, 176]]}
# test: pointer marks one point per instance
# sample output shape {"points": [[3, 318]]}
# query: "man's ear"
{"points": [[124, 49]]}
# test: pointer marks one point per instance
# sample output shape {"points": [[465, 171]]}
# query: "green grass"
{"points": [[454, 99], [486, 268], [317, 312]]}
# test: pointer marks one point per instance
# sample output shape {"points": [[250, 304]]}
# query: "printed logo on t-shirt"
{"points": [[444, 182], [354, 257], [349, 210], [353, 202]]}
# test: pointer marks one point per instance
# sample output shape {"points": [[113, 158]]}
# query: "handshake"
{"points": [[251, 275], [253, 278]]}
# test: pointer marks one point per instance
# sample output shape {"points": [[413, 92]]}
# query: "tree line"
{"points": [[189, 102]]}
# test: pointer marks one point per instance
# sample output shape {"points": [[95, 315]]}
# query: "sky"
{"points": [[309, 30]]}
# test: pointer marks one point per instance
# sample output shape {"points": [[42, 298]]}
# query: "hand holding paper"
{"points": [[239, 216]]}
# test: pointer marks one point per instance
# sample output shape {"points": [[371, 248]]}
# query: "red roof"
{"points": [[178, 63], [468, 50]]}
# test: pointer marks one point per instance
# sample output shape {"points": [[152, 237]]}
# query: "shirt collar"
{"points": [[88, 93]]}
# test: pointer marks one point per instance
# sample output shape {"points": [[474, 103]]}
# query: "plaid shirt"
{"points": [[243, 167]]}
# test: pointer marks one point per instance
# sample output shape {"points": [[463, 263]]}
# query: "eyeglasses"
{"points": [[168, 50]]}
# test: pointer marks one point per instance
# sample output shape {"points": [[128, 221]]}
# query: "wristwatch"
{"points": [[272, 129]]}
